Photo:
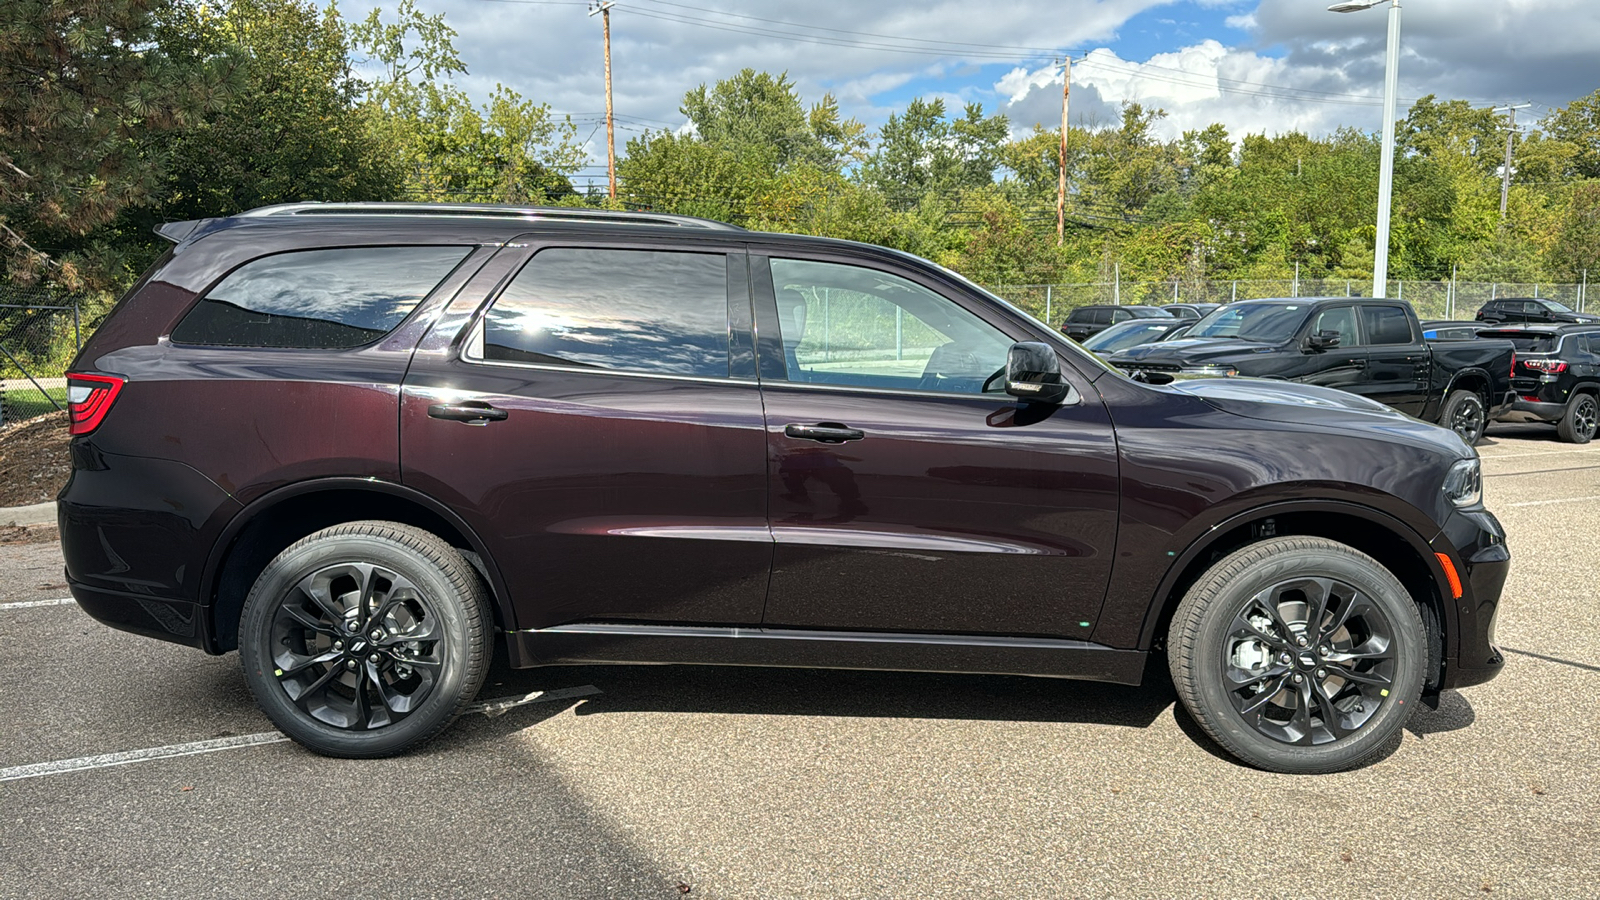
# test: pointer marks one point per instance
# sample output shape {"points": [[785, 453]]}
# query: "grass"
{"points": [[19, 405]]}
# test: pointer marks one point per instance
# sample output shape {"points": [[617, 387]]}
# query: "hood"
{"points": [[1189, 351], [1286, 401], [1581, 318]]}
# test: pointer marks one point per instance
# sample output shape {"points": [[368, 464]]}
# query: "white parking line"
{"points": [[496, 707], [1594, 449], [1549, 502], [106, 760], [25, 604]]}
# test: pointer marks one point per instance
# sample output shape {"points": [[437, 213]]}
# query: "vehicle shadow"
{"points": [[826, 692], [1454, 713]]}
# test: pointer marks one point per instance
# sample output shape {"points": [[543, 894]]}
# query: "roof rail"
{"points": [[488, 211]]}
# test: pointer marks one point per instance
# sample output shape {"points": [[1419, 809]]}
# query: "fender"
{"points": [[248, 514], [1423, 548]]}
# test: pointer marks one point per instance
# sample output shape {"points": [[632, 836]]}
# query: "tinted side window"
{"points": [[1081, 315], [1341, 319], [1101, 317], [849, 325], [1386, 325], [655, 311], [317, 299]]}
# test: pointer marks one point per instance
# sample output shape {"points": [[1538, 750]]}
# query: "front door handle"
{"points": [[472, 411], [825, 432]]}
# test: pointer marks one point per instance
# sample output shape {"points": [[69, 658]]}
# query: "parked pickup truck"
{"points": [[1370, 347]]}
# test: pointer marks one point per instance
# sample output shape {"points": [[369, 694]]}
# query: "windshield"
{"points": [[1558, 307], [1125, 335], [1267, 323]]}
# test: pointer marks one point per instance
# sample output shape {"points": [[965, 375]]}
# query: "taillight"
{"points": [[89, 398], [1513, 364], [1548, 366]]}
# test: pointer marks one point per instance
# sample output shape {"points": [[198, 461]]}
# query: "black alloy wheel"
{"points": [[1464, 414], [365, 639], [1308, 660], [357, 646], [1299, 655], [1578, 425]]}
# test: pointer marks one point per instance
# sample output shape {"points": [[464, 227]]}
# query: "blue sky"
{"points": [[1253, 65]]}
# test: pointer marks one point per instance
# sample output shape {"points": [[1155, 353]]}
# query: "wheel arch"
{"points": [[277, 519], [1393, 543], [1475, 379]]}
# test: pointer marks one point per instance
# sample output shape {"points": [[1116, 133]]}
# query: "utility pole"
{"points": [[604, 9], [1061, 184], [1505, 171]]}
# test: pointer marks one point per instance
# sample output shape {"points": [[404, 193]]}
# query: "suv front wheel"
{"points": [[1299, 655], [365, 639]]}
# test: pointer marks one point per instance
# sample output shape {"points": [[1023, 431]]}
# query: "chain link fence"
{"points": [[40, 333], [1052, 303]]}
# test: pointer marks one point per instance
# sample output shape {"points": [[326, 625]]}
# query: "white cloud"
{"points": [[1300, 67]]}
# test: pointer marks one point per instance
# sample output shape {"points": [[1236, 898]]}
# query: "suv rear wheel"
{"points": [[1299, 655], [365, 639], [1581, 419]]}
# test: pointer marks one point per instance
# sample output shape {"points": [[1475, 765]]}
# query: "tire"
{"points": [[1242, 624], [357, 680], [1464, 414], [1578, 425]]}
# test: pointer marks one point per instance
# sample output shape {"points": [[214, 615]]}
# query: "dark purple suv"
{"points": [[367, 444]]}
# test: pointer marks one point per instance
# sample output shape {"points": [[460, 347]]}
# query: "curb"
{"points": [[37, 514]]}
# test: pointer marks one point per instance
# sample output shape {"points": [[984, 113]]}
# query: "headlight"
{"points": [[1210, 371], [1464, 483]]}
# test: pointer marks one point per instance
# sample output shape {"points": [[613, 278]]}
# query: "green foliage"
{"points": [[1578, 126], [761, 115], [509, 150], [1577, 247], [296, 132], [88, 88], [921, 153]]}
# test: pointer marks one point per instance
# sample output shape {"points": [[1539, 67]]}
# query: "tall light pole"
{"points": [[604, 9], [1391, 84]]}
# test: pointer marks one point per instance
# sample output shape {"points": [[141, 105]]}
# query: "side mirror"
{"points": [[1033, 372], [1322, 340]]}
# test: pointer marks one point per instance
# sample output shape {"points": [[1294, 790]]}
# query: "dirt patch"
{"points": [[35, 534], [33, 460]]}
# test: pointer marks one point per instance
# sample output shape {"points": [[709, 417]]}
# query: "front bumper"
{"points": [[1476, 545]]}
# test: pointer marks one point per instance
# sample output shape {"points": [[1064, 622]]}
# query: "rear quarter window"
{"points": [[317, 299]]}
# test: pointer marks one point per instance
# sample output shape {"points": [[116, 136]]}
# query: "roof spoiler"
{"points": [[178, 232]]}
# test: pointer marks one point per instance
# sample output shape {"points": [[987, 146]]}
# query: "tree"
{"points": [[921, 152], [296, 131], [761, 114], [509, 150], [1578, 124], [1577, 248], [87, 84], [680, 174]]}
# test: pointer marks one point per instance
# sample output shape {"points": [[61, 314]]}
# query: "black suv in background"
{"points": [[370, 445], [1089, 320], [1557, 378], [1531, 309]]}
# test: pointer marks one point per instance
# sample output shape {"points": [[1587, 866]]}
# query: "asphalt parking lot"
{"points": [[661, 782]]}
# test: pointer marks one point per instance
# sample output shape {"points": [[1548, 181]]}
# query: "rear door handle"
{"points": [[472, 411], [825, 432]]}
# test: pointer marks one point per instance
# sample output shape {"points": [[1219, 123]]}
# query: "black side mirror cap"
{"points": [[1033, 373], [1322, 340]]}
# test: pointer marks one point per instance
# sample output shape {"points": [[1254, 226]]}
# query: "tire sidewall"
{"points": [[1384, 726], [1455, 401], [1570, 430], [255, 638]]}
